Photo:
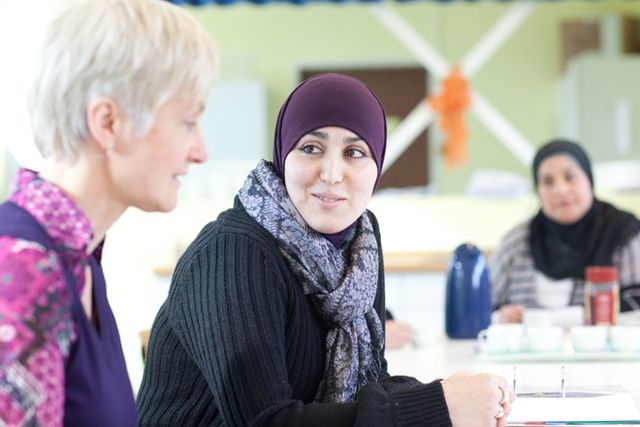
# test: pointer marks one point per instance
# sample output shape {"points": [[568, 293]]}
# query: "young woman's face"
{"points": [[564, 189], [330, 175], [147, 168]]}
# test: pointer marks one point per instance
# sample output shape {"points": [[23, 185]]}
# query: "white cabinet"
{"points": [[600, 105]]}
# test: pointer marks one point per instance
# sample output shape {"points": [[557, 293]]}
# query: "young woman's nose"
{"points": [[332, 170]]}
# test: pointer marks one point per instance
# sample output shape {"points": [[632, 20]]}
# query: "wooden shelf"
{"points": [[416, 261], [394, 262]]}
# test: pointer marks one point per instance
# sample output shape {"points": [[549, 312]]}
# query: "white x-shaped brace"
{"points": [[422, 115]]}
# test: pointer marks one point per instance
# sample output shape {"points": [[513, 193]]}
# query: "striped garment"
{"points": [[514, 277]]}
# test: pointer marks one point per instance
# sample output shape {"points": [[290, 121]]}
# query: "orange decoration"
{"points": [[450, 105]]}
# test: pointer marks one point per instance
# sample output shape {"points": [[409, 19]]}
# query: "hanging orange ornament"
{"points": [[450, 105]]}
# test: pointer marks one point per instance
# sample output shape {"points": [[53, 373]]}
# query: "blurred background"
{"points": [[538, 70]]}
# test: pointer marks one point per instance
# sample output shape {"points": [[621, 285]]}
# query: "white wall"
{"points": [[22, 25]]}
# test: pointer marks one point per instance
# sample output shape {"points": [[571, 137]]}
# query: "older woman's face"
{"points": [[564, 189], [329, 176], [146, 169]]}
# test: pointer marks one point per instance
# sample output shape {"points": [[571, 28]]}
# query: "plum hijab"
{"points": [[331, 99]]}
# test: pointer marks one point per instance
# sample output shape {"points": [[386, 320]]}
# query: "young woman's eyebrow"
{"points": [[319, 134], [352, 139]]}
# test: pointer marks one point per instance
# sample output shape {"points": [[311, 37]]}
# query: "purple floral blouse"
{"points": [[36, 324]]}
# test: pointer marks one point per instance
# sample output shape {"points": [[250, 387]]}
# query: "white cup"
{"points": [[625, 338], [589, 338], [545, 338], [501, 338]]}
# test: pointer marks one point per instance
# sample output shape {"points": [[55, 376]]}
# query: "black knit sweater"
{"points": [[238, 343]]}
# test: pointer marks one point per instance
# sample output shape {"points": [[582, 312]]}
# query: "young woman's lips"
{"points": [[329, 199]]}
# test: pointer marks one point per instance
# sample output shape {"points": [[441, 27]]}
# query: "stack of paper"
{"points": [[576, 408]]}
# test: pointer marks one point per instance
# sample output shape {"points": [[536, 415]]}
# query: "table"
{"points": [[447, 356]]}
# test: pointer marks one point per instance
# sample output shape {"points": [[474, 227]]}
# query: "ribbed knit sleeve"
{"points": [[420, 405], [237, 343], [234, 330]]}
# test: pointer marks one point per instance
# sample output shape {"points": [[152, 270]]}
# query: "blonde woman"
{"points": [[115, 110]]}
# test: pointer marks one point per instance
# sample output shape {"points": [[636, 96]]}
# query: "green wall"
{"points": [[521, 80]]}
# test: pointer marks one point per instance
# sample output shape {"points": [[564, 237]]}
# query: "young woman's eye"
{"points": [[310, 149], [355, 153]]}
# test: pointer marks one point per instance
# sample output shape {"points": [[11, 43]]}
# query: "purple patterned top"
{"points": [[36, 324]]}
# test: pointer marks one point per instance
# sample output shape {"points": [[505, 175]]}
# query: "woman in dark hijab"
{"points": [[276, 311], [541, 263]]}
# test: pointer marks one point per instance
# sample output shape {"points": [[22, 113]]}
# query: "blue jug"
{"points": [[468, 299]]}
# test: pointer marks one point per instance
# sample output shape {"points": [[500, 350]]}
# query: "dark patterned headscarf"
{"points": [[341, 283]]}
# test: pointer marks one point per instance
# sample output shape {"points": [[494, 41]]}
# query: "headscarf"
{"points": [[331, 99], [566, 148], [565, 250]]}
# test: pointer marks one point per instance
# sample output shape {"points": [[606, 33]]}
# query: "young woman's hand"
{"points": [[477, 400]]}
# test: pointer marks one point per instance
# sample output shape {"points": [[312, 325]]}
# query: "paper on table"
{"points": [[610, 407]]}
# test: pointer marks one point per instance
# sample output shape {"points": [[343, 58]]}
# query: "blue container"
{"points": [[468, 303]]}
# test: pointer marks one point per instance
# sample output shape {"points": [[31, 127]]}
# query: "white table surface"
{"points": [[446, 356]]}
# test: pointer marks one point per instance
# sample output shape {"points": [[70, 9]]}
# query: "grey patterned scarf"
{"points": [[342, 285]]}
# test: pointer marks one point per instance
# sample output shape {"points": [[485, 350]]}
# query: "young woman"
{"points": [[542, 261], [115, 111], [275, 314]]}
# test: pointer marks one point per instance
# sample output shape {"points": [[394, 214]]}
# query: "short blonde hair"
{"points": [[138, 52]]}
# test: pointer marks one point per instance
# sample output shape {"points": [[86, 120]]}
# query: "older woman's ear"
{"points": [[106, 120]]}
